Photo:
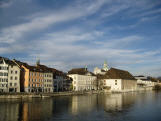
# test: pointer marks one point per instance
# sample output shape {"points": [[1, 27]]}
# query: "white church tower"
{"points": [[103, 70], [105, 66]]}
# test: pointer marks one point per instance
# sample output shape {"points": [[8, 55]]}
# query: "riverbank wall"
{"points": [[44, 95], [22, 95]]}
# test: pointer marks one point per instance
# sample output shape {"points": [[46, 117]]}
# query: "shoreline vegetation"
{"points": [[23, 95]]}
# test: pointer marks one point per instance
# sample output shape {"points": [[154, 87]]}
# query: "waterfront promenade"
{"points": [[22, 95], [45, 95]]}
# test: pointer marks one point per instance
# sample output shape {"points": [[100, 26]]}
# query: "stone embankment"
{"points": [[44, 95]]}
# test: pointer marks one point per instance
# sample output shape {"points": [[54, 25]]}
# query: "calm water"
{"points": [[142, 106]]}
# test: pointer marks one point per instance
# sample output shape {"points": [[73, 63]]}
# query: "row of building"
{"points": [[106, 79], [16, 76]]}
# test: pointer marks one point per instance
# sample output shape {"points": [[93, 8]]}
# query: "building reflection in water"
{"points": [[37, 110], [26, 110], [9, 111], [83, 103], [65, 107], [118, 102]]}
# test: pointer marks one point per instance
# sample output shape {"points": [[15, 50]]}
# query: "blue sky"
{"points": [[73, 33]]}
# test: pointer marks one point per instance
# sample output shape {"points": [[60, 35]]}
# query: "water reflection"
{"points": [[76, 108], [36, 110], [118, 102], [83, 103], [9, 111]]}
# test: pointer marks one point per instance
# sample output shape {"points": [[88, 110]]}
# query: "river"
{"points": [[133, 106]]}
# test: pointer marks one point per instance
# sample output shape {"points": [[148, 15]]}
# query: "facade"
{"points": [[143, 81], [14, 78], [9, 76], [48, 82], [35, 78], [3, 76], [68, 84], [58, 83], [101, 71], [82, 79], [118, 81], [61, 82]]}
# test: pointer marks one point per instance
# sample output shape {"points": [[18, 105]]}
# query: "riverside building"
{"points": [[9, 76], [117, 80], [35, 78], [82, 79]]}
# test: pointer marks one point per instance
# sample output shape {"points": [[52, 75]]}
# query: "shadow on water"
{"points": [[102, 107]]}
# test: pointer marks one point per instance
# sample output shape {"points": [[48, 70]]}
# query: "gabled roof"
{"points": [[114, 73], [41, 68], [80, 71], [7, 61]]}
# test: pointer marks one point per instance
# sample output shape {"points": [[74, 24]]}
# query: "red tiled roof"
{"points": [[80, 71], [114, 73]]}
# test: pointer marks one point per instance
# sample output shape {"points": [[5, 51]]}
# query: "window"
{"points": [[15, 84], [15, 72], [11, 84], [11, 78], [15, 78], [115, 82], [11, 72], [74, 87]]}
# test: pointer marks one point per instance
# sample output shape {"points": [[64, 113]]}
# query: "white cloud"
{"points": [[121, 42], [6, 4], [79, 45], [37, 23]]}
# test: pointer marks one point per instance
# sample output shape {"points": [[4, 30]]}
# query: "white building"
{"points": [[116, 80], [101, 71], [144, 81], [9, 76], [83, 79], [48, 82]]}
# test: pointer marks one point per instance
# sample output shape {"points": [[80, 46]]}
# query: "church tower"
{"points": [[37, 62], [105, 66]]}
